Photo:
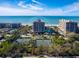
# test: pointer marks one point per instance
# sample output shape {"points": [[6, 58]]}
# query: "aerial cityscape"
{"points": [[39, 39], [39, 28]]}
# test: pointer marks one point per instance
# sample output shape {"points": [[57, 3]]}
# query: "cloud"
{"points": [[36, 2], [38, 9], [39, 3], [13, 11], [69, 9], [21, 4], [30, 5], [72, 10]]}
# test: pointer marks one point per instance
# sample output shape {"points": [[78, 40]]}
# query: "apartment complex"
{"points": [[67, 26], [38, 27], [10, 25]]}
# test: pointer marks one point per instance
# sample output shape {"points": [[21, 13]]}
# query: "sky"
{"points": [[39, 7]]}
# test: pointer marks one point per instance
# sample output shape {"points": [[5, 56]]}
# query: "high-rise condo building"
{"points": [[68, 26], [38, 27]]}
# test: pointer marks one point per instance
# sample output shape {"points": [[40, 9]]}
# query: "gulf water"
{"points": [[30, 19]]}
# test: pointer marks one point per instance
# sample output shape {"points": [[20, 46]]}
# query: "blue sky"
{"points": [[39, 7]]}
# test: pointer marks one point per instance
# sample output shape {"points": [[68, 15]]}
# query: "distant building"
{"points": [[78, 29], [38, 27], [16, 25], [10, 25], [2, 25], [68, 26]]}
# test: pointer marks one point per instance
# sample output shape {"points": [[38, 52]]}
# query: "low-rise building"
{"points": [[41, 42]]}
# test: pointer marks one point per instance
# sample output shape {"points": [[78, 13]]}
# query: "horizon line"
{"points": [[39, 15]]}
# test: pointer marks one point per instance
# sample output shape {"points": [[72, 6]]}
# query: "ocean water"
{"points": [[30, 19]]}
